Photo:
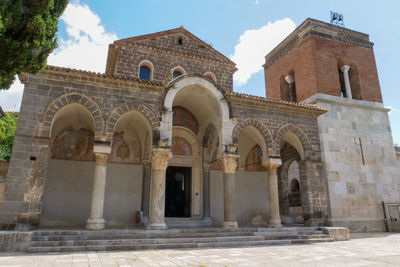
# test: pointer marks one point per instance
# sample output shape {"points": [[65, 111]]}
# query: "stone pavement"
{"points": [[372, 249]]}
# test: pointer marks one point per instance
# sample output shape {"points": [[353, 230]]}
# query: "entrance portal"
{"points": [[178, 191]]}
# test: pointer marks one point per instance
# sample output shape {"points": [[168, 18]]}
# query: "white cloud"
{"points": [[87, 44], [10, 100], [255, 44], [256, 2], [84, 48]]}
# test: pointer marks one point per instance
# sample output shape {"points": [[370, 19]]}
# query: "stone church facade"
{"points": [[163, 132]]}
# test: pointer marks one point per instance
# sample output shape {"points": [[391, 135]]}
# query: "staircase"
{"points": [[108, 240]]}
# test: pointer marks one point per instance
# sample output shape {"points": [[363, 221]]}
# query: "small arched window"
{"points": [[211, 76], [176, 73], [146, 70], [180, 41], [144, 73]]}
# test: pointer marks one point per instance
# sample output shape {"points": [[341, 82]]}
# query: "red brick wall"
{"points": [[315, 65]]}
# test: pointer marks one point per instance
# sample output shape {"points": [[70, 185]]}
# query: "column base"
{"points": [[157, 226], [274, 223], [95, 224], [229, 225]]}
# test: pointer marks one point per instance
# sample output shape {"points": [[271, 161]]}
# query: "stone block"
{"points": [[337, 233]]}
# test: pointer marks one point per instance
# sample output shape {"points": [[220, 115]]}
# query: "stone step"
{"points": [[299, 230], [280, 237], [136, 231], [173, 245], [137, 235], [144, 241]]}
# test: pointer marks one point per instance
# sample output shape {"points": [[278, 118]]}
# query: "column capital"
{"points": [[289, 79], [229, 162], [272, 164], [159, 158], [345, 68]]}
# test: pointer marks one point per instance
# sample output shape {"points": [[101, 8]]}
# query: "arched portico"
{"points": [[190, 105], [213, 97]]}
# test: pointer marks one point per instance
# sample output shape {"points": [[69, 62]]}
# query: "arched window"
{"points": [[288, 87], [177, 71], [211, 76], [146, 70], [180, 41], [144, 73]]}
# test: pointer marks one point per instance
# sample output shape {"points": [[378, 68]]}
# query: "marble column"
{"points": [[206, 190], [96, 220], [292, 94], [345, 69], [159, 163], [146, 190], [229, 163], [274, 220]]}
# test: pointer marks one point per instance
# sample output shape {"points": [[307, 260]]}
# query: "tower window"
{"points": [[180, 41], [342, 85]]}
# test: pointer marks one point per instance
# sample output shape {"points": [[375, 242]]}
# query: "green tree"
{"points": [[7, 132], [27, 36]]}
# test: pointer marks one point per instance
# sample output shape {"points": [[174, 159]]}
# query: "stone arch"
{"points": [[49, 113], [241, 125], [142, 108], [298, 133], [210, 132], [210, 88]]}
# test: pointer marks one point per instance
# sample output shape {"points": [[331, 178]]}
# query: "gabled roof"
{"points": [[140, 41]]}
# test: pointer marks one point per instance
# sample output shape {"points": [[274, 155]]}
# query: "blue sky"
{"points": [[90, 24]]}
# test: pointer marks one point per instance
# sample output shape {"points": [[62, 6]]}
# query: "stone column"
{"points": [[274, 220], [229, 163], [345, 70], [206, 190], [146, 190], [290, 80], [96, 220], [159, 163]]}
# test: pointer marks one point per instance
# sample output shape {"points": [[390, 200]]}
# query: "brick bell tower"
{"points": [[334, 68]]}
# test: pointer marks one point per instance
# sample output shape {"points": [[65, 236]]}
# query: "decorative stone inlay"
{"points": [[229, 163], [159, 159]]}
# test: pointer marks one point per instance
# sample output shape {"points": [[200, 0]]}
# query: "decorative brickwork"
{"points": [[316, 50], [147, 112], [64, 100], [259, 126], [183, 117], [298, 132]]}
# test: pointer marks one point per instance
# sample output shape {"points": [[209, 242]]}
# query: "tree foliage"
{"points": [[7, 132], [27, 36]]}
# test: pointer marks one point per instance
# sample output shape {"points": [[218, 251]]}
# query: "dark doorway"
{"points": [[177, 192]]}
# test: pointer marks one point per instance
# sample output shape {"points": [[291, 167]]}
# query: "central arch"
{"points": [[193, 84]]}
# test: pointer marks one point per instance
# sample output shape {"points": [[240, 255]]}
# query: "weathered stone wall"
{"points": [[104, 98], [274, 121], [3, 172], [129, 59], [360, 162]]}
